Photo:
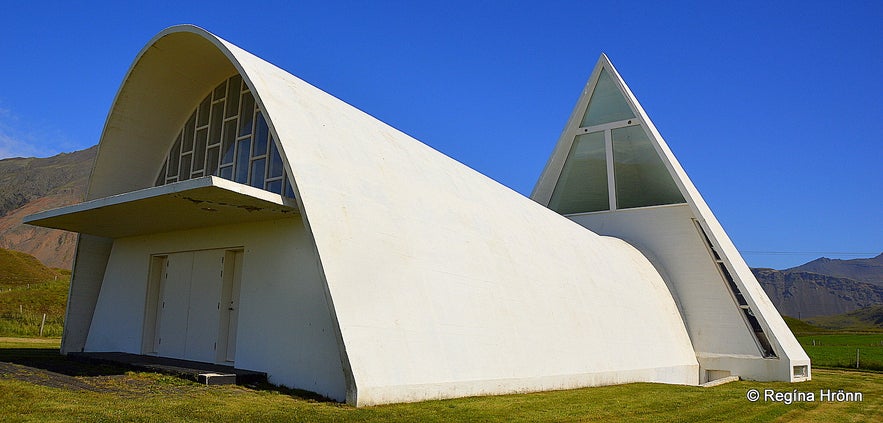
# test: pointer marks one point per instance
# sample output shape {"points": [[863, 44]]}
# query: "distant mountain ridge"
{"points": [[802, 294], [31, 185], [868, 270]]}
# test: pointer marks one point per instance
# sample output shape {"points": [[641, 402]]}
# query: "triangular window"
{"points": [[615, 166], [607, 103], [641, 176], [582, 186]]}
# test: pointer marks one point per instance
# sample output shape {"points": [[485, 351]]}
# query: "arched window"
{"points": [[227, 136]]}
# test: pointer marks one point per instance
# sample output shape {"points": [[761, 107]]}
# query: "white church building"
{"points": [[238, 215]]}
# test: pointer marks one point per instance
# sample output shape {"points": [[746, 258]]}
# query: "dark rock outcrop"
{"points": [[804, 294]]}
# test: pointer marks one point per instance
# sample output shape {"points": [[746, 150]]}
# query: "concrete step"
{"points": [[720, 381]]}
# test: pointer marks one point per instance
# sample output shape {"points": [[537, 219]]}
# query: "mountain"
{"points": [[30, 185], [803, 294], [868, 270]]}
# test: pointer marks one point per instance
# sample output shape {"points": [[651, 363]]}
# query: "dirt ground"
{"points": [[128, 384], [37, 364]]}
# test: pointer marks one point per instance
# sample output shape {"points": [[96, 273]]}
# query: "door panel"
{"points": [[156, 276], [233, 308], [205, 297], [174, 304]]}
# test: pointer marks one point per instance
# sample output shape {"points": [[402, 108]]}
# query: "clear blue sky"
{"points": [[775, 110]]}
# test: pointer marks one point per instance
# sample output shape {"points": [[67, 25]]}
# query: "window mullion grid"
{"points": [[251, 157], [218, 143], [608, 147], [210, 143], [168, 179], [224, 126]]}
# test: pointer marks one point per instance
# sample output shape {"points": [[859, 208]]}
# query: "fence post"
{"points": [[43, 323]]}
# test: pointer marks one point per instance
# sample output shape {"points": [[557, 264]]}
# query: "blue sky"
{"points": [[774, 110]]}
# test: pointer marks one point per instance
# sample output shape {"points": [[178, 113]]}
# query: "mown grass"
{"points": [[116, 395]]}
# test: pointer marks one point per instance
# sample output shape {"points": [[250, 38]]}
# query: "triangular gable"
{"points": [[607, 102], [723, 305], [612, 159]]}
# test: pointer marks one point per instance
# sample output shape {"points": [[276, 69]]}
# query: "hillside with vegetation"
{"points": [[868, 319], [28, 290], [17, 268]]}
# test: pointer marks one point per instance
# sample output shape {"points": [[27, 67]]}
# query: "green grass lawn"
{"points": [[112, 394]]}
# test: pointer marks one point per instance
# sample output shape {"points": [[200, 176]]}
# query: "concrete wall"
{"points": [[720, 335], [446, 283], [667, 234], [89, 264], [285, 328]]}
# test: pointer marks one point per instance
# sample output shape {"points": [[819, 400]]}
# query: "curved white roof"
{"points": [[442, 281]]}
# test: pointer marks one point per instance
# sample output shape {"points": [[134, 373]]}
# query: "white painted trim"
{"points": [[609, 125], [626, 210]]}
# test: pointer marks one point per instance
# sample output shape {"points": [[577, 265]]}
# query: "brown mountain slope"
{"points": [[31, 185], [25, 179]]}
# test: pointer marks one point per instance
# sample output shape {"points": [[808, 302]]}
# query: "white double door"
{"points": [[197, 307]]}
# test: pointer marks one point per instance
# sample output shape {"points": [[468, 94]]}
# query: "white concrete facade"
{"points": [[285, 328], [403, 276]]}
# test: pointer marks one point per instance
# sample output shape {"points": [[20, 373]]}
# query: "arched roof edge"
{"points": [[235, 56]]}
